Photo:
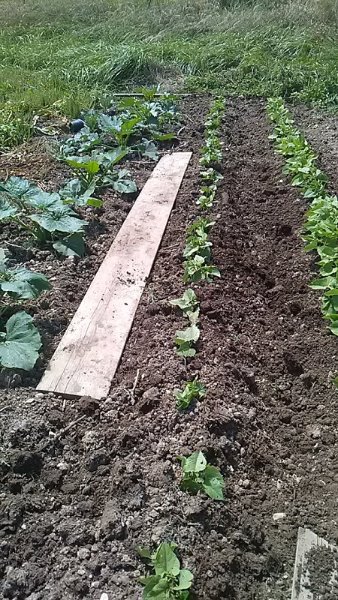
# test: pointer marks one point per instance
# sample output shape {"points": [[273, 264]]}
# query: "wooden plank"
{"points": [[309, 542], [88, 355]]}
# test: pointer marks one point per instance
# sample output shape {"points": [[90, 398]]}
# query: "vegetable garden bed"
{"points": [[85, 482]]}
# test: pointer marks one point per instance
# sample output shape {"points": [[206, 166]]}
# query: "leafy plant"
{"points": [[19, 343], [198, 244], [185, 341], [98, 170], [193, 390], [321, 226], [21, 283], [169, 581], [200, 226], [121, 129], [198, 475], [45, 216], [210, 176], [196, 269], [189, 305]]}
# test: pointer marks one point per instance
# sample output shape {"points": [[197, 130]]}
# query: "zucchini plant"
{"points": [[20, 340], [44, 216], [168, 581], [320, 231]]}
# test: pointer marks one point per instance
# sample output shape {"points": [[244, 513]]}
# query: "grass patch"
{"points": [[61, 58]]}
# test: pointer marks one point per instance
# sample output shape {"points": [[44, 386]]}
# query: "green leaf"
{"points": [[83, 163], [143, 552], [16, 186], [195, 463], [72, 189], [60, 220], [19, 350], [24, 283], [334, 328], [71, 246], [7, 210], [190, 334], [188, 301], [156, 587], [166, 561], [213, 483], [107, 123], [94, 202], [185, 580], [43, 200], [322, 283], [115, 156], [125, 186]]}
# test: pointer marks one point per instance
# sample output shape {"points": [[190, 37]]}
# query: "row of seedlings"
{"points": [[57, 221], [320, 232], [169, 580]]}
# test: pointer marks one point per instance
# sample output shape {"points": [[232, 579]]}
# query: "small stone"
{"points": [[246, 483], [278, 516], [83, 553], [104, 596], [63, 466]]}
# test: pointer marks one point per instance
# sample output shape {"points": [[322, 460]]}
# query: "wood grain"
{"points": [[88, 355]]}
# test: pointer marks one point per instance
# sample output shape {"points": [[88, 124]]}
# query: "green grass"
{"points": [[61, 57]]}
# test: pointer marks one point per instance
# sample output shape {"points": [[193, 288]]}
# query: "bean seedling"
{"points": [[198, 475], [185, 341], [169, 581], [193, 390], [320, 228]]}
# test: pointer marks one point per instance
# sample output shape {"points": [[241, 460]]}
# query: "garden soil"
{"points": [[84, 483]]}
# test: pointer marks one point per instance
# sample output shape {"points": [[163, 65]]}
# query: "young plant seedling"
{"points": [[199, 476], [20, 283], [320, 229], [189, 305], [196, 269], [198, 244], [185, 341], [169, 581], [193, 390]]}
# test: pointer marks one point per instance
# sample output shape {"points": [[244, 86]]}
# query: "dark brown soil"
{"points": [[84, 483], [321, 130]]}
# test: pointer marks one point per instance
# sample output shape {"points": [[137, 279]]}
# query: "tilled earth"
{"points": [[85, 482]]}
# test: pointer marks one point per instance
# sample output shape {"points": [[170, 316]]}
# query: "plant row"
{"points": [[95, 154], [320, 231], [169, 581]]}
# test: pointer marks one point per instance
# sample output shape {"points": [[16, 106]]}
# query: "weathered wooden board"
{"points": [[88, 355], [324, 568]]}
